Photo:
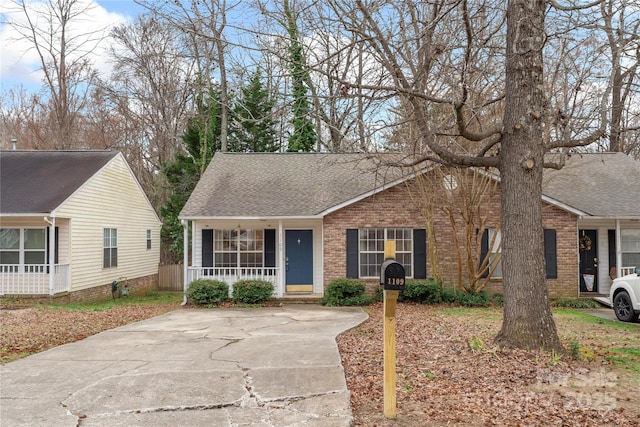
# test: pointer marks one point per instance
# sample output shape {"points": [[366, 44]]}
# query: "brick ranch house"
{"points": [[302, 220], [71, 223]]}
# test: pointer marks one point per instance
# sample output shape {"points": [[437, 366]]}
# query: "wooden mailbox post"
{"points": [[392, 278]]}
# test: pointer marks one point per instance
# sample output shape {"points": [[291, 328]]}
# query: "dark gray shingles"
{"points": [[283, 184], [599, 184], [307, 184], [39, 181]]}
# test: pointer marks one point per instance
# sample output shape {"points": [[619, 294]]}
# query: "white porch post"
{"points": [[618, 250], [52, 254], [281, 276], [185, 258]]}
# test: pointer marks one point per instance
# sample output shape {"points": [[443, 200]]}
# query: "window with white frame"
{"points": [[238, 248], [630, 248], [110, 248], [148, 239], [23, 246], [371, 249]]}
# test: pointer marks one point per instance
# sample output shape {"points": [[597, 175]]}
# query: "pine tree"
{"points": [[252, 115], [201, 140]]}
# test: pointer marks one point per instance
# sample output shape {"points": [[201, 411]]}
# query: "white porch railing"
{"points": [[33, 279], [230, 275], [627, 270]]}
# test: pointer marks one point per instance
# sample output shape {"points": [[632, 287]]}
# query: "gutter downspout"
{"points": [[185, 256], [52, 254]]}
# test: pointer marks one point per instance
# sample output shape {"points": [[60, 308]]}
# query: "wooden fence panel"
{"points": [[171, 277]]}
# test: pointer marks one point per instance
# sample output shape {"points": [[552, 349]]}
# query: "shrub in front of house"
{"points": [[207, 291], [252, 291], [575, 303], [422, 291], [345, 292]]}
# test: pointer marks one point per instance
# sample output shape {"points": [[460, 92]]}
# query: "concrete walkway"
{"points": [[218, 367]]}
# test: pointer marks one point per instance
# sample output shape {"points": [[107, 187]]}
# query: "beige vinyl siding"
{"points": [[112, 198]]}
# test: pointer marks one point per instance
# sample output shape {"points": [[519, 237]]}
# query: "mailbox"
{"points": [[392, 275]]}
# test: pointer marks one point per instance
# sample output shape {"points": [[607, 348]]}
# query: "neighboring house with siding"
{"points": [[302, 220], [72, 222]]}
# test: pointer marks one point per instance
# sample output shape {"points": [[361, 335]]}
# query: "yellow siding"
{"points": [[110, 199]]}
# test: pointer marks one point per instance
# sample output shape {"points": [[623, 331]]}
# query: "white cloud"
{"points": [[19, 61]]}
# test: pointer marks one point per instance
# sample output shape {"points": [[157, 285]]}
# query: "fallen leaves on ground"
{"points": [[34, 329], [448, 370], [450, 373]]}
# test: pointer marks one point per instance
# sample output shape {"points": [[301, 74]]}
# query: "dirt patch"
{"points": [[450, 373]]}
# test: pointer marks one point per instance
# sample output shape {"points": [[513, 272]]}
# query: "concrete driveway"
{"points": [[219, 367]]}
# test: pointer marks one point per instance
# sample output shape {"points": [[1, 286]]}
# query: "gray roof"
{"points": [[34, 182], [598, 184], [312, 184], [283, 184]]}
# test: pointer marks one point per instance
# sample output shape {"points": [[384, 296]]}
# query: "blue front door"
{"points": [[299, 260]]}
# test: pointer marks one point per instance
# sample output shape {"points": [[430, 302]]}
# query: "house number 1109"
{"points": [[395, 281]]}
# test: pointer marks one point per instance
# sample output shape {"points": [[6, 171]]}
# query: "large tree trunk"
{"points": [[528, 322]]}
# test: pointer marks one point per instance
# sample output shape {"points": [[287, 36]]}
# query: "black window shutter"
{"points": [[419, 253], [484, 250], [55, 244], [612, 249], [269, 248], [352, 253], [550, 253], [207, 248]]}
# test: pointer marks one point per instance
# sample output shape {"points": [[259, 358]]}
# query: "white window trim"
{"points": [[385, 231], [22, 250]]}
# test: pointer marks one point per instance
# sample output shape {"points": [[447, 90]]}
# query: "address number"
{"points": [[395, 281]]}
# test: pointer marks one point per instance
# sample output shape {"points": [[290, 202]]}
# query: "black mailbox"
{"points": [[392, 275]]}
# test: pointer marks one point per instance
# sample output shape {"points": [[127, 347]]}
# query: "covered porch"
{"points": [[34, 255], [608, 248], [284, 251]]}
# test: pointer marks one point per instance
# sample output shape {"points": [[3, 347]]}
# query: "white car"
{"points": [[625, 296]]}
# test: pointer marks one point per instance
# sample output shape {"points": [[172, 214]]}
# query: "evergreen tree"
{"points": [[252, 114], [201, 140], [304, 134]]}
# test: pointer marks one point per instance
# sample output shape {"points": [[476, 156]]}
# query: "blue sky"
{"points": [[19, 63]]}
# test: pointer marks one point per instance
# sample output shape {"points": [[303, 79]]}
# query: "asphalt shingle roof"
{"points": [[599, 184], [283, 184], [309, 184], [39, 181]]}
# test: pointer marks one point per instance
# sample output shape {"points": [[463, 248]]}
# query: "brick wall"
{"points": [[395, 208]]}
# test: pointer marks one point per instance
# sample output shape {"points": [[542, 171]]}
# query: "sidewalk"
{"points": [[217, 367]]}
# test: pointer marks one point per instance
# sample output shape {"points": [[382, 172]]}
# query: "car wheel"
{"points": [[623, 308]]}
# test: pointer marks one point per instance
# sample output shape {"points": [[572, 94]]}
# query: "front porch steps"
{"points": [[301, 298]]}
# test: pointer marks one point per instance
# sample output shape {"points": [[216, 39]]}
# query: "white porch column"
{"points": [[618, 250], [185, 258], [281, 276], [52, 255]]}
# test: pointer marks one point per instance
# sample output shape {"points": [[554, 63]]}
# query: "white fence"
{"points": [[627, 270], [33, 279]]}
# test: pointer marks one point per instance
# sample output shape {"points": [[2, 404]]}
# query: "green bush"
{"points": [[422, 291], [207, 291], [575, 303], [480, 299], [467, 299], [346, 292], [450, 295], [252, 291]]}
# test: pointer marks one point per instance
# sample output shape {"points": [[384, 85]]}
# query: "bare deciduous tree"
{"points": [[64, 61]]}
